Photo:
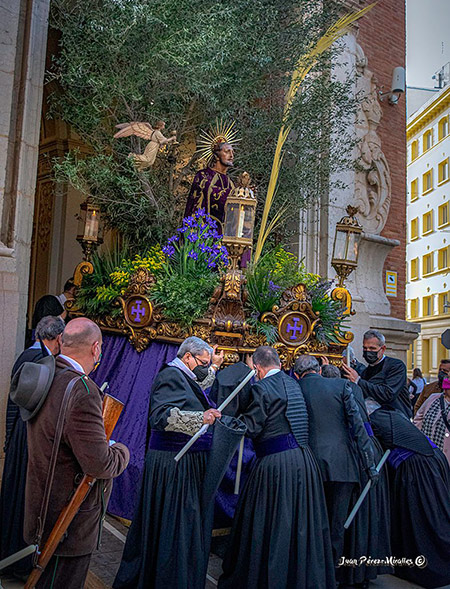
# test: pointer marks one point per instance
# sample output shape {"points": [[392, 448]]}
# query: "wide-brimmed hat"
{"points": [[30, 386]]}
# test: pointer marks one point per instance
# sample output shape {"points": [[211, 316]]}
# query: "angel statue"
{"points": [[146, 131]]}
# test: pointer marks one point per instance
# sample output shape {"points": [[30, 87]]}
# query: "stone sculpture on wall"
{"points": [[373, 179]]}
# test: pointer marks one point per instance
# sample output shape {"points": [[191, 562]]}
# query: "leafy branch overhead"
{"points": [[189, 62]]}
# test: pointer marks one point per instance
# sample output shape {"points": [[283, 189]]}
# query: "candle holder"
{"points": [[346, 245], [228, 303], [90, 228]]}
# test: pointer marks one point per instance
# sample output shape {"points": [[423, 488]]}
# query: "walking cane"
{"points": [[221, 407], [366, 489]]}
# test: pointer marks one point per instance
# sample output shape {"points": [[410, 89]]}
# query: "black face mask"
{"points": [[441, 376], [201, 372], [370, 357]]}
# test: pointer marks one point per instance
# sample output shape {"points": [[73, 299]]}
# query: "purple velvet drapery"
{"points": [[130, 375]]}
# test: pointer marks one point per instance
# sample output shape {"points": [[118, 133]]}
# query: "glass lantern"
{"points": [[240, 209], [90, 228], [346, 245]]}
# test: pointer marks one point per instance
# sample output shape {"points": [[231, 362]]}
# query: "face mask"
{"points": [[97, 364], [370, 357], [441, 376], [201, 372]]}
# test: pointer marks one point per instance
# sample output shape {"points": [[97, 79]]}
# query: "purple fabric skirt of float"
{"points": [[130, 375], [175, 441], [275, 445]]}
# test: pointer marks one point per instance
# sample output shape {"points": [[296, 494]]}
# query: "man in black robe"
{"points": [[166, 542], [369, 532], [420, 500], [280, 534], [384, 380], [12, 497], [334, 419]]}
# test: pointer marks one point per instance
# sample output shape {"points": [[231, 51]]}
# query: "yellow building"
{"points": [[428, 235]]}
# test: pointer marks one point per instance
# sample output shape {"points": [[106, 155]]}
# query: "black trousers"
{"points": [[65, 572], [339, 498]]}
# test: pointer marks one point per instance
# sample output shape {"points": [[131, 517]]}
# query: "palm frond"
{"points": [[302, 68]]}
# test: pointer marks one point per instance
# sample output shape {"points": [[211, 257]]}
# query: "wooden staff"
{"points": [[112, 408]]}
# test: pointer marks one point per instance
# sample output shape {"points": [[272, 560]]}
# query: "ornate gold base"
{"points": [[294, 321]]}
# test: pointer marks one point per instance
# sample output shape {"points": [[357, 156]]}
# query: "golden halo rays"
{"points": [[219, 133]]}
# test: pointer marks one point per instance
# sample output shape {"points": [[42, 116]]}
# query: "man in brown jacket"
{"points": [[83, 450], [435, 386]]}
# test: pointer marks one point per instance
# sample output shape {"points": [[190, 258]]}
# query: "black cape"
{"points": [[280, 534], [420, 500], [369, 533], [169, 538], [12, 496]]}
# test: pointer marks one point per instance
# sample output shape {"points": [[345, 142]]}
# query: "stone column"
{"points": [[23, 31], [370, 188]]}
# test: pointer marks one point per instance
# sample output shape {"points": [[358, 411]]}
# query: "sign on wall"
{"points": [[391, 283]]}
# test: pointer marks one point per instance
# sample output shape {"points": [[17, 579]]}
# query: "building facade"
{"points": [[428, 219]]}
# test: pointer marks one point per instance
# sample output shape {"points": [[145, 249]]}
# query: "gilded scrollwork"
{"points": [[294, 319]]}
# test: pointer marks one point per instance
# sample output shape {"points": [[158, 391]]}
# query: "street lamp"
{"points": [[346, 245], [90, 228]]}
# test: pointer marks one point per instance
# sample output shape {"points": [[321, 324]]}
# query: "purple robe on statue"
{"points": [[210, 190]]}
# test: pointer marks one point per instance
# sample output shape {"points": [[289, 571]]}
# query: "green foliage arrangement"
{"points": [[184, 269], [111, 276], [278, 270], [189, 62]]}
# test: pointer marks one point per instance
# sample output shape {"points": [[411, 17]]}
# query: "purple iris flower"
{"points": [[182, 229], [192, 237], [190, 222], [193, 255], [203, 248], [273, 287], [200, 213], [211, 263], [173, 239], [169, 250]]}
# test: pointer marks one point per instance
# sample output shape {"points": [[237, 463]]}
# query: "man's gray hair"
{"points": [[376, 334], [266, 357], [305, 364], [195, 346], [49, 328], [331, 371]]}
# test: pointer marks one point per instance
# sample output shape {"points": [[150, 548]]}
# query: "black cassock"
{"points": [[420, 499], [369, 533], [168, 542], [12, 497], [280, 535], [386, 383]]}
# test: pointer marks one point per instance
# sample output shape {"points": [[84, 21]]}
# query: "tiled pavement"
{"points": [[105, 563]]}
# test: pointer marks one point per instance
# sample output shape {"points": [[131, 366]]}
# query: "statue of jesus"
{"points": [[211, 186]]}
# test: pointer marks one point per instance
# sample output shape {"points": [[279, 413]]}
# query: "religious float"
{"points": [[211, 281], [205, 282]]}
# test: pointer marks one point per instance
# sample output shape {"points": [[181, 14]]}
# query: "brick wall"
{"points": [[382, 35]]}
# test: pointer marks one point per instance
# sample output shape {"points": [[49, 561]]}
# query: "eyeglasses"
{"points": [[205, 363]]}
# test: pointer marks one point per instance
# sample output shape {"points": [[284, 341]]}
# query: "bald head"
{"points": [[82, 341], [80, 333]]}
